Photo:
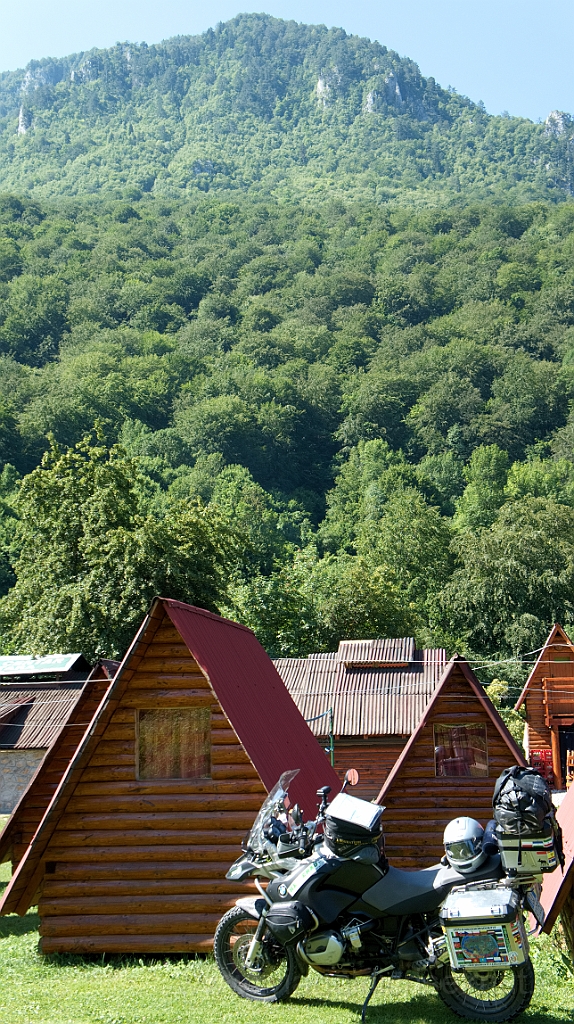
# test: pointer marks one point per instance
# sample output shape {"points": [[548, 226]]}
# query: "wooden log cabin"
{"points": [[132, 851], [36, 695], [69, 723], [548, 698], [377, 691], [448, 768]]}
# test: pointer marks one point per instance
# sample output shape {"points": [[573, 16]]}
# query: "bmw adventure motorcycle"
{"points": [[332, 903]]}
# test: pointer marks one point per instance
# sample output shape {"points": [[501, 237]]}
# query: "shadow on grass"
{"points": [[120, 961], [425, 1007], [13, 924]]}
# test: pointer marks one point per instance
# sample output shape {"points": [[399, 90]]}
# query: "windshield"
{"points": [[273, 807]]}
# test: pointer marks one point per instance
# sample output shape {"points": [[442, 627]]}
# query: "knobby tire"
{"points": [[277, 964]]}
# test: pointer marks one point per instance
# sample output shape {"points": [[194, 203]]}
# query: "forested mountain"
{"points": [[334, 421], [279, 108], [287, 331]]}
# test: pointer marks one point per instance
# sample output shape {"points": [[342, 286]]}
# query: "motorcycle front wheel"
{"points": [[487, 995], [273, 977]]}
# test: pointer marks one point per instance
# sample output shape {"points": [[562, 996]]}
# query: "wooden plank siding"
{"points": [[549, 697], [140, 865], [119, 863], [373, 757], [418, 805], [30, 810]]}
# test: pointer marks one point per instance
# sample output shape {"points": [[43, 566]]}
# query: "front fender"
{"points": [[252, 905]]}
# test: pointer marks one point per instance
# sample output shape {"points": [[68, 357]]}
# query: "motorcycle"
{"points": [[333, 904]]}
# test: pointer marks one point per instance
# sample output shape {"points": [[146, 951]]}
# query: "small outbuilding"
{"points": [[448, 768], [36, 696], [70, 718], [548, 698], [366, 698], [195, 729]]}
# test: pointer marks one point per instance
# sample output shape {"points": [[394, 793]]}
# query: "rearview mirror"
{"points": [[296, 815], [351, 777]]}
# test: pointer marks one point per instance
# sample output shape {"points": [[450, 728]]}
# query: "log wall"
{"points": [[32, 807], [549, 703], [139, 866], [418, 804], [374, 758]]}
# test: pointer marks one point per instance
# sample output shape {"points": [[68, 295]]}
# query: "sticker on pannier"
{"points": [[487, 946]]}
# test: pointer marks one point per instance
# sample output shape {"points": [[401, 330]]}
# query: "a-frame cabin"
{"points": [[30, 809], [549, 700], [448, 768], [195, 729]]}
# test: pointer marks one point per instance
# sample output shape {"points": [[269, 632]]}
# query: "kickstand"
{"points": [[375, 979]]}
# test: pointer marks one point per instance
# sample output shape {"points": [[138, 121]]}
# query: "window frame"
{"points": [[465, 725], [203, 706]]}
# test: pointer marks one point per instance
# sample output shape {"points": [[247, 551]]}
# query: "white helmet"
{"points": [[463, 844]]}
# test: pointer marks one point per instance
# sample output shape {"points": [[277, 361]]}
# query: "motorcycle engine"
{"points": [[323, 948]]}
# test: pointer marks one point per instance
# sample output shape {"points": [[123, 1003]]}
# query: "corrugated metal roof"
{"points": [[394, 651], [29, 665], [366, 700], [557, 886], [32, 717]]}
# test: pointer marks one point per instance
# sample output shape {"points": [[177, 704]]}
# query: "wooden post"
{"points": [[567, 921], [556, 763]]}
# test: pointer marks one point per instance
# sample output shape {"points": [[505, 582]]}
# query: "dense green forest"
{"points": [[286, 331], [342, 420], [271, 106]]}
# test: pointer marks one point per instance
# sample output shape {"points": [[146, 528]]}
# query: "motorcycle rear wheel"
{"points": [[275, 975], [487, 995]]}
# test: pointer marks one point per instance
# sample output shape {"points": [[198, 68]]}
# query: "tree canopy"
{"points": [[319, 313], [278, 108]]}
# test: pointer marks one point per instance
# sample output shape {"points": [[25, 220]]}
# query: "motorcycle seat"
{"points": [[408, 892]]}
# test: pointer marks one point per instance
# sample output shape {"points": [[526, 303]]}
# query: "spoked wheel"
{"points": [[273, 977], [487, 995]]}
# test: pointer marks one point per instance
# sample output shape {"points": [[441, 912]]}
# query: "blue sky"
{"points": [[515, 55]]}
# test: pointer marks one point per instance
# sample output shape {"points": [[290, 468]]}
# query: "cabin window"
{"points": [[174, 743], [460, 750]]}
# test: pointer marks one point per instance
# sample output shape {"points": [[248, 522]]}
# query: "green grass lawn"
{"points": [[73, 990]]}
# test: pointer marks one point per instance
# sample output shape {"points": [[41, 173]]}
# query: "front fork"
{"points": [[256, 943]]}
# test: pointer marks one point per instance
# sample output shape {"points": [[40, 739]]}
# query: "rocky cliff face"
{"points": [[266, 104]]}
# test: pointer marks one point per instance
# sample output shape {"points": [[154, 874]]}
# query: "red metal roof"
{"points": [[367, 699], [256, 701], [557, 885]]}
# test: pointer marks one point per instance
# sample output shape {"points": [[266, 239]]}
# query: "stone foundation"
{"points": [[16, 769]]}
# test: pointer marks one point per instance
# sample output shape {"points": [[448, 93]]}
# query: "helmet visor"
{"points": [[463, 850]]}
